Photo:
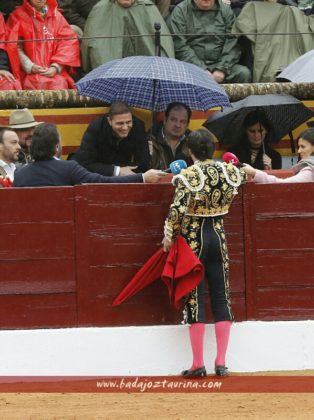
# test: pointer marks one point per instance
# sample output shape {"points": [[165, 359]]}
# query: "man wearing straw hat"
{"points": [[23, 123]]}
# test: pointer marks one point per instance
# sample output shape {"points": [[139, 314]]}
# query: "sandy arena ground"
{"points": [[157, 406], [38, 406]]}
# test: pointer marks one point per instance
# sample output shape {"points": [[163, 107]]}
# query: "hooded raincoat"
{"points": [[274, 52], [122, 32], [5, 60], [28, 24]]}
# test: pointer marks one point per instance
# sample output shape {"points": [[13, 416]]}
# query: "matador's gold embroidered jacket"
{"points": [[205, 189]]}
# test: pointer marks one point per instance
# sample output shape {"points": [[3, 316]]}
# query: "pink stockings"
{"points": [[197, 334], [222, 331]]}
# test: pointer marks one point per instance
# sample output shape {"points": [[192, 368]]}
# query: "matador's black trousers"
{"points": [[213, 254]]}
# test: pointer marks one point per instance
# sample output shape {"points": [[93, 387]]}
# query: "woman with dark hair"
{"points": [[203, 195], [303, 170], [254, 147]]}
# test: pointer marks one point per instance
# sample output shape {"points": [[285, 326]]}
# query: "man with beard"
{"points": [[23, 123], [9, 152]]}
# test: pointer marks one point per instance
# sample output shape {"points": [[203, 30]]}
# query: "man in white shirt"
{"points": [[9, 152]]}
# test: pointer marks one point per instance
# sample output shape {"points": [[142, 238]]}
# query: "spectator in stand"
{"points": [[7, 79], [76, 13], [254, 148], [167, 141], [7, 6], [44, 64], [219, 55], [9, 152], [48, 170], [270, 55], [115, 144], [122, 28], [303, 170], [23, 123]]}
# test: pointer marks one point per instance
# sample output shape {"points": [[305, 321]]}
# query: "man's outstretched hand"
{"points": [[153, 175]]}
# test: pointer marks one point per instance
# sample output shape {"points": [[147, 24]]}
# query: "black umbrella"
{"points": [[300, 70], [284, 113]]}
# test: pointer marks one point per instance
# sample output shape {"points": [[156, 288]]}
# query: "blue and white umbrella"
{"points": [[299, 71], [152, 83]]}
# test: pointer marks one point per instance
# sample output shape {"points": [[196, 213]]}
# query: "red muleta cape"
{"points": [[4, 83], [27, 24], [180, 270]]}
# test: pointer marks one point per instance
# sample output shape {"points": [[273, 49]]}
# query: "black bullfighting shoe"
{"points": [[221, 370], [194, 373]]}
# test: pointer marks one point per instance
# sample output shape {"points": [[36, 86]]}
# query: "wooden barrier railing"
{"points": [[66, 252]]}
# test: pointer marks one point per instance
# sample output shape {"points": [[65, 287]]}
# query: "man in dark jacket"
{"points": [[76, 11], [7, 6], [48, 170], [115, 144], [168, 138]]}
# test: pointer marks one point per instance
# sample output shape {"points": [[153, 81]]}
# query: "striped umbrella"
{"points": [[152, 83]]}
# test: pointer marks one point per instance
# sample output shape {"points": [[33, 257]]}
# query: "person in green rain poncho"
{"points": [[119, 20]]}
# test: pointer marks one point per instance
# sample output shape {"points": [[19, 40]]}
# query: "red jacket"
{"points": [[2, 33], [28, 24], [12, 57]]}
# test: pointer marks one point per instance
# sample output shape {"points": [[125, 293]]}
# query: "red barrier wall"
{"points": [[37, 258], [279, 251], [66, 252]]}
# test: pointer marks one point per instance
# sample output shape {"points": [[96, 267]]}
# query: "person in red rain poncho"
{"points": [[7, 79], [44, 64]]}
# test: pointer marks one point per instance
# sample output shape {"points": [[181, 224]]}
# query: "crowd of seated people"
{"points": [[116, 145], [30, 152], [48, 50], [195, 31]]}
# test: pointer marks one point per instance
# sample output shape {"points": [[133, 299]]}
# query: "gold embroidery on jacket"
{"points": [[205, 189]]}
